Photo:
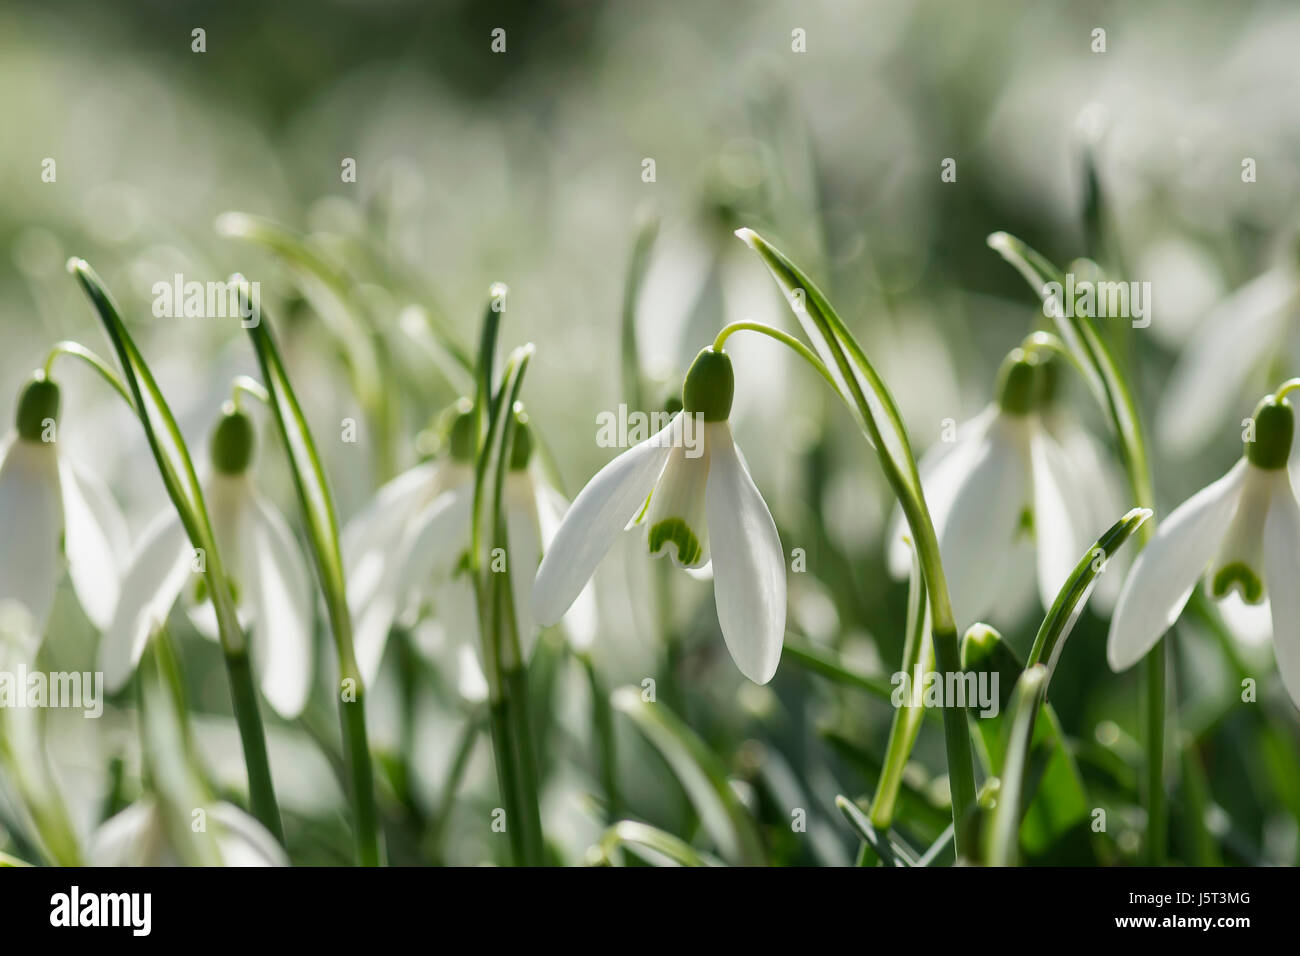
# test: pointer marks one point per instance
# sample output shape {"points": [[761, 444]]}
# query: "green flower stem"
{"points": [[502, 661], [455, 774], [807, 354], [602, 722], [906, 725], [77, 350], [1111, 389], [899, 465], [181, 481], [1286, 388], [317, 505], [628, 833]]}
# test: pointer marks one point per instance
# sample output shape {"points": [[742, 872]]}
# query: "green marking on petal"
{"points": [[1025, 526], [1238, 575], [676, 531]]}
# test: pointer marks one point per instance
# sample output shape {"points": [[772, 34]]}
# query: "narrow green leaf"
{"points": [[1004, 834], [1072, 597], [890, 850], [662, 846], [701, 774]]}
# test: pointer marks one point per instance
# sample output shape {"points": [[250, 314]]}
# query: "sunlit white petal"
{"points": [[31, 525], [95, 542], [748, 564], [282, 607], [1168, 568], [1282, 564]]}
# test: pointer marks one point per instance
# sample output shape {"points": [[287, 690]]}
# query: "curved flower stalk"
{"points": [[140, 836], [852, 376], [176, 469], [51, 509], [1232, 346], [24, 756], [1241, 534], [1111, 390], [698, 504], [265, 569], [1004, 484], [406, 550], [317, 506]]}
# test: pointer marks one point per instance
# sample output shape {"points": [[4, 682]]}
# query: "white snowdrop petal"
{"points": [[241, 840], [432, 546], [602, 509], [31, 524], [943, 469], [1282, 567], [161, 566], [95, 542], [370, 539], [282, 608], [1234, 338], [984, 522], [1167, 569], [749, 584], [1059, 541], [582, 619]]}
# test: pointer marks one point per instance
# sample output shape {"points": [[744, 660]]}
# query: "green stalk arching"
{"points": [[317, 505], [907, 719], [189, 503], [903, 476], [502, 663], [1112, 391]]}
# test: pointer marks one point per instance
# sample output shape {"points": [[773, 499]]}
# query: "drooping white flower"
{"points": [[1229, 350], [1242, 534], [261, 558], [51, 508], [698, 504], [1005, 484], [139, 836], [405, 553]]}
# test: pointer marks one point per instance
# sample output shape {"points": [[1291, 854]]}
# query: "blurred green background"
{"points": [[526, 167]]}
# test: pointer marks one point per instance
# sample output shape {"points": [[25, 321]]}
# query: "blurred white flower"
{"points": [[1242, 534], [691, 506], [47, 502], [1005, 481], [405, 552], [139, 836], [269, 578], [1233, 343]]}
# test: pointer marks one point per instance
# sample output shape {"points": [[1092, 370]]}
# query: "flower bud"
{"points": [[710, 386], [38, 403], [1019, 383], [1274, 430], [233, 438]]}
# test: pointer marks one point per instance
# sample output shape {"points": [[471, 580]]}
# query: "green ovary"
{"points": [[676, 531], [1237, 575]]}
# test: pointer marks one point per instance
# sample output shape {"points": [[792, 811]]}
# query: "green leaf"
{"points": [[664, 848], [890, 850], [1003, 838], [701, 774], [1073, 595]]}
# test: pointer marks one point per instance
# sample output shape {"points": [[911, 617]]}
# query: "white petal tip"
{"points": [[746, 235]]}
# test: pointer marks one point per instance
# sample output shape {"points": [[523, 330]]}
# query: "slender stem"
{"points": [[456, 773], [77, 350], [1286, 388], [188, 500], [907, 721], [602, 721], [786, 339]]}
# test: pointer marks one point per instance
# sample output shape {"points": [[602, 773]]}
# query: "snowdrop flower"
{"points": [[695, 500], [405, 552], [139, 836], [48, 505], [1003, 484], [1232, 346], [1242, 534], [269, 578]]}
